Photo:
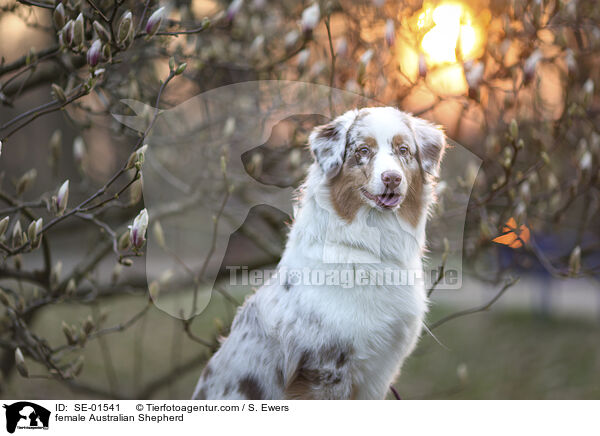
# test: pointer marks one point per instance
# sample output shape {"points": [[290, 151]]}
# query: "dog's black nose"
{"points": [[391, 179]]}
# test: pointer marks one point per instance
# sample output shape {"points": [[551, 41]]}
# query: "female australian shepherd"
{"points": [[363, 207]]}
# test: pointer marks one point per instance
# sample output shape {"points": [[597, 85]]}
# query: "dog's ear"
{"points": [[328, 143], [431, 144]]}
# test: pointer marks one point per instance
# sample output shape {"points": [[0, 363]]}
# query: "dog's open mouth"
{"points": [[386, 200]]}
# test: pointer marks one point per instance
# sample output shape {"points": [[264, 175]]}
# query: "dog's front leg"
{"points": [[324, 374]]}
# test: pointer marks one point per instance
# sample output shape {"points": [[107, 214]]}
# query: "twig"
{"points": [[477, 309]]}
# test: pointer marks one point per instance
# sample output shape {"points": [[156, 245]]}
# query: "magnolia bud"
{"points": [[124, 242], [62, 198], [93, 54], [513, 129], [291, 38], [136, 159], [154, 22], [125, 27], [55, 146], [4, 298], [71, 287], [575, 261], [159, 235], [59, 16], [20, 363], [422, 65], [17, 235], [101, 31], [180, 69], [78, 31], [341, 47], [154, 290], [67, 33], [585, 163], [56, 273], [88, 325], [366, 57], [137, 234], [79, 152], [26, 180], [69, 333], [530, 64], [303, 57], [390, 36], [34, 232], [58, 92], [233, 9], [588, 91], [310, 18], [3, 225]]}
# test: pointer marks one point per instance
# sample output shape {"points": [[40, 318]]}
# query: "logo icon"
{"points": [[26, 415]]}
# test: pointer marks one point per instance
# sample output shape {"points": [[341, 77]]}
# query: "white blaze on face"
{"points": [[385, 160]]}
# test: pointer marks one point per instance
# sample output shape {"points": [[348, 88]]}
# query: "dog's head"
{"points": [[378, 157]]}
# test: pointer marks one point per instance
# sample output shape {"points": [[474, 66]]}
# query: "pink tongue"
{"points": [[388, 200]]}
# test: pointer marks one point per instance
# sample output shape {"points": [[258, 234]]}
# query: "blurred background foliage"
{"points": [[513, 82]]}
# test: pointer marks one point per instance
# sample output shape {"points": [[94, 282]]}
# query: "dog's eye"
{"points": [[364, 151], [403, 151]]}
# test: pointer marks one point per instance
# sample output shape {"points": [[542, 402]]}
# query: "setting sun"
{"points": [[450, 32]]}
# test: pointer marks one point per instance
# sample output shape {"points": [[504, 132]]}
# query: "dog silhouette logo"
{"points": [[26, 415]]}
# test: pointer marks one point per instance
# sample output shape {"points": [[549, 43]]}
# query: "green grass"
{"points": [[502, 356]]}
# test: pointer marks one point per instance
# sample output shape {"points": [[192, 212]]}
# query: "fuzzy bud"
{"points": [[58, 93], [34, 232], [136, 159], [26, 181], [303, 57], [513, 129], [137, 233], [125, 27], [124, 242], [422, 65], [17, 235], [78, 31], [154, 22], [310, 18], [180, 69], [79, 152], [94, 53], [67, 33], [575, 261], [20, 363], [3, 225], [390, 32], [233, 9], [62, 198], [530, 64], [59, 16], [71, 287], [159, 234], [101, 31]]}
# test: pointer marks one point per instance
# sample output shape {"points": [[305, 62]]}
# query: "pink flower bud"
{"points": [[94, 53], [233, 9], [310, 18], [530, 64], [154, 22], [62, 198], [422, 65], [67, 33], [390, 36], [59, 16], [137, 232]]}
